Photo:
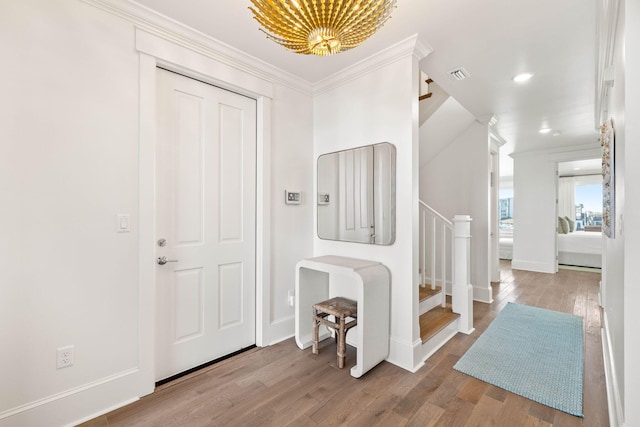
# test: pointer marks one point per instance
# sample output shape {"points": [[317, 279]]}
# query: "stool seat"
{"points": [[340, 308]]}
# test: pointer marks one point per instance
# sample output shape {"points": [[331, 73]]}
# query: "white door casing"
{"points": [[494, 217], [206, 212]]}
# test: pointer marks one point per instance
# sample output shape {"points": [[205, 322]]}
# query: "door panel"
{"points": [[231, 169], [231, 295], [205, 209], [187, 313], [356, 195]]}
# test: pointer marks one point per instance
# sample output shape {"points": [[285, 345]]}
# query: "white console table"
{"points": [[317, 277]]}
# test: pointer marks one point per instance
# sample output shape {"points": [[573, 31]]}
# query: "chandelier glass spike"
{"points": [[321, 27]]}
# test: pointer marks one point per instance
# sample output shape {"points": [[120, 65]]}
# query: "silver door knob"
{"points": [[163, 260]]}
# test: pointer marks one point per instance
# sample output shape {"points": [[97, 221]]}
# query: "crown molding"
{"points": [[175, 32], [496, 137], [422, 48], [491, 121], [571, 151], [409, 46]]}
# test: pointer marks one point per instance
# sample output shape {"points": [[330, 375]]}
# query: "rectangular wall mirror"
{"points": [[357, 195]]}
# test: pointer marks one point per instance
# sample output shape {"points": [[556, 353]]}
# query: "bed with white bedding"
{"points": [[506, 247], [580, 248]]}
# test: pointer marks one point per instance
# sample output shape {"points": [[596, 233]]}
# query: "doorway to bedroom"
{"points": [[505, 209], [579, 214]]}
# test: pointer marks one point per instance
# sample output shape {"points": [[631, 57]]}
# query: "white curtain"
{"points": [[567, 197]]}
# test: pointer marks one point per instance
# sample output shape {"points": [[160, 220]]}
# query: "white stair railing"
{"points": [[462, 293], [445, 258], [436, 250]]}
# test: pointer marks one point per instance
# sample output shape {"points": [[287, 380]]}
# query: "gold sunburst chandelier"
{"points": [[321, 27]]}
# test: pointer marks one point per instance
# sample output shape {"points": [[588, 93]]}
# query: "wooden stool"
{"points": [[340, 308]]}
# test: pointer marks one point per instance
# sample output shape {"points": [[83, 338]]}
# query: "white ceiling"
{"points": [[492, 39]]}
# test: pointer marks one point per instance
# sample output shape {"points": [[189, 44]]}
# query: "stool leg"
{"points": [[342, 345], [316, 326]]}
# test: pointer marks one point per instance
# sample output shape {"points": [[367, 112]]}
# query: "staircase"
{"points": [[434, 93], [445, 294]]}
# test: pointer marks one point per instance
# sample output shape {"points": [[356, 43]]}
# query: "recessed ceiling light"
{"points": [[521, 78], [544, 130], [576, 169]]}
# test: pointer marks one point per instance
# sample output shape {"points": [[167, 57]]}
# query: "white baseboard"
{"points": [[281, 330], [539, 267], [401, 352], [483, 294], [104, 411], [72, 406], [616, 414]]}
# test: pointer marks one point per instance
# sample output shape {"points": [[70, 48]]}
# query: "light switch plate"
{"points": [[292, 197], [123, 224]]}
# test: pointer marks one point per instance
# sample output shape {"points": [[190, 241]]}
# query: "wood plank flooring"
{"points": [[284, 386]]}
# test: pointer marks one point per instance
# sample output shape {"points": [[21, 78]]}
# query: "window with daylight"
{"points": [[506, 212], [588, 202]]}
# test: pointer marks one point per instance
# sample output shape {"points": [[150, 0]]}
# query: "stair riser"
{"points": [[434, 343], [429, 303]]}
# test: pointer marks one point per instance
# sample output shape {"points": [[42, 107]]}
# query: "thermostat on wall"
{"points": [[292, 197], [323, 198]]}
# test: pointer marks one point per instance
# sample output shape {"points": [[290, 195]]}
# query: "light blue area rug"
{"points": [[533, 352]]}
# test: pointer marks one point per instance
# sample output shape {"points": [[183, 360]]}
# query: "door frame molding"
{"points": [[155, 51]]}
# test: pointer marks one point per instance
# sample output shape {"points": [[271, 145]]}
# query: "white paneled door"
{"points": [[205, 211]]}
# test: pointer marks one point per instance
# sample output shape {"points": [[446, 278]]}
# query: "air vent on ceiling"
{"points": [[459, 73]]}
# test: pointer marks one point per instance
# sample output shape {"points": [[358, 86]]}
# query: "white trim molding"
{"points": [[410, 46], [154, 51], [181, 35], [405, 354], [59, 408], [565, 153], [281, 330], [607, 26], [539, 267], [614, 401]]}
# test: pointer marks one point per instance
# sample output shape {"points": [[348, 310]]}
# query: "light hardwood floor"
{"points": [[282, 385]]}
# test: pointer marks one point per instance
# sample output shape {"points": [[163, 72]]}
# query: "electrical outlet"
{"points": [[64, 357], [291, 297]]}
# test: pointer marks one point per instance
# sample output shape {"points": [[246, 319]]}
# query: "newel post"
{"points": [[462, 293]]}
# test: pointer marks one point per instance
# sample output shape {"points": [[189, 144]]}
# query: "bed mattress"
{"points": [[581, 248]]}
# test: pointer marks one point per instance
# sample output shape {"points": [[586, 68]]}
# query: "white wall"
{"points": [[629, 224], [534, 204], [620, 291], [292, 225], [456, 182], [443, 126], [534, 213], [69, 163], [68, 166], [350, 114]]}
